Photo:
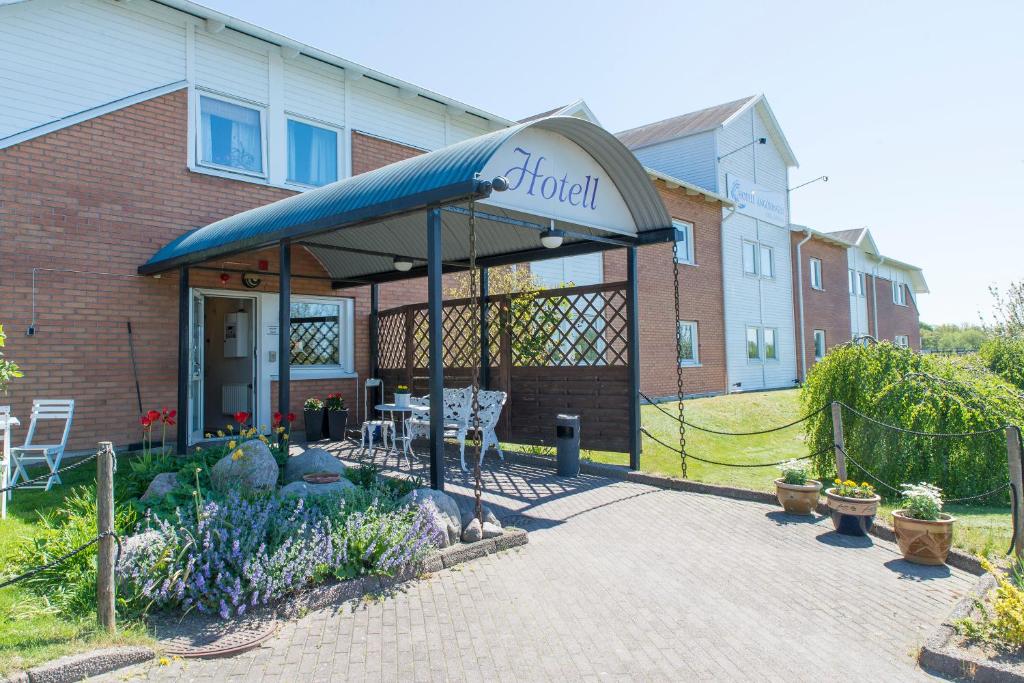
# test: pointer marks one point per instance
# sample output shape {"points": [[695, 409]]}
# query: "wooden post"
{"points": [[105, 525], [1013, 459], [838, 440]]}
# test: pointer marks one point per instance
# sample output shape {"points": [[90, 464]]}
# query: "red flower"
{"points": [[291, 417], [153, 415], [145, 422], [277, 418], [168, 416], [241, 417]]}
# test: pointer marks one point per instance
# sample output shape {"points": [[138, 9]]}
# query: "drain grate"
{"points": [[199, 636]]}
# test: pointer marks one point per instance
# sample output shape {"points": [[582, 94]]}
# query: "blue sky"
{"points": [[914, 109]]}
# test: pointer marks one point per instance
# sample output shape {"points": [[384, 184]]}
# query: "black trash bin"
{"points": [[567, 444]]}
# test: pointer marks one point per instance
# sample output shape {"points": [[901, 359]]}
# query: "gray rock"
{"points": [[256, 470], [311, 460], [303, 489], [491, 530], [445, 510], [472, 533], [161, 485], [467, 508]]}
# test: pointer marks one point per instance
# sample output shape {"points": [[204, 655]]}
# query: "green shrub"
{"points": [[1005, 357], [896, 386], [1004, 628], [795, 473]]}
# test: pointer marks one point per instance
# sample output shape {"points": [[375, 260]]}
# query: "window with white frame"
{"points": [[749, 258], [902, 340], [816, 273], [771, 350], [753, 344], [321, 335], [853, 282], [899, 294], [312, 154], [688, 346], [862, 284], [684, 245], [767, 262], [819, 344], [230, 135]]}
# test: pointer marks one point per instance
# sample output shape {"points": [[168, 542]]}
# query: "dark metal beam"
{"points": [[633, 356], [370, 252], [284, 330], [435, 348], [374, 329], [267, 273], [485, 332], [184, 366]]}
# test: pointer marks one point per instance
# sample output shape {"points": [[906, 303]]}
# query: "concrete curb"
{"points": [[957, 558], [84, 665], [938, 655]]}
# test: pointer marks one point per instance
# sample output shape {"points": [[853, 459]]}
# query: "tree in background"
{"points": [[1008, 311], [948, 337], [8, 368], [1003, 352]]}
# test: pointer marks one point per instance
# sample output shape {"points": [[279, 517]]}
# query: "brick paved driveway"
{"points": [[624, 581]]}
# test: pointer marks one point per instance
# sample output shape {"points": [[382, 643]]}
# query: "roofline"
{"points": [[266, 35], [817, 234], [653, 173], [875, 254]]}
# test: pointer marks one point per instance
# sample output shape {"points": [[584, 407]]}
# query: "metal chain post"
{"points": [[478, 510], [679, 364]]}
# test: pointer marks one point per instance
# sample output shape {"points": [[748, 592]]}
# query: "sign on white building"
{"points": [[757, 201]]}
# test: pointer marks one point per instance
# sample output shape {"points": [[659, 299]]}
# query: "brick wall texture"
{"points": [[827, 308], [893, 319]]}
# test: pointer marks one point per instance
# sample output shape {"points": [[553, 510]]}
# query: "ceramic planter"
{"points": [[852, 516], [313, 420], [401, 400], [798, 499], [923, 541], [337, 421]]}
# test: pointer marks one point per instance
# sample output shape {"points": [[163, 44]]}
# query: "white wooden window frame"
{"points": [[775, 344], [766, 272], [316, 123], [862, 283], [852, 280], [754, 254], [819, 334], [197, 124], [899, 294], [695, 361], [760, 344], [687, 251], [902, 340], [816, 274], [346, 341]]}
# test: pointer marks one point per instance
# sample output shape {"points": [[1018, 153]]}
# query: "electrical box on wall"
{"points": [[236, 335]]}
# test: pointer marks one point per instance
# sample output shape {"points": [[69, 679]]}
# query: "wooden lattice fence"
{"points": [[558, 350]]}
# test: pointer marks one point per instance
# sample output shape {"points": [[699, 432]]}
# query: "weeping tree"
{"points": [[8, 369]]}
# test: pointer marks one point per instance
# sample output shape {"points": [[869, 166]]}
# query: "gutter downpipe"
{"points": [[874, 293], [800, 300]]}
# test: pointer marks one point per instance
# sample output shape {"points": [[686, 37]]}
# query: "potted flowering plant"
{"points": [[337, 416], [402, 396], [923, 531], [852, 506], [313, 418], [796, 491]]}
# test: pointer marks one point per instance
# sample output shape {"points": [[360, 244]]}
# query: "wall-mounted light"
{"points": [[402, 264], [224, 277], [552, 237]]}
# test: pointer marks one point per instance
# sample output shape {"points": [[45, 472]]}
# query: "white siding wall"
{"points": [[691, 159], [58, 59], [234, 64], [376, 108], [859, 323], [756, 302], [314, 90]]}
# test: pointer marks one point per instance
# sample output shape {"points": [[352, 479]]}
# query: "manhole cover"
{"points": [[199, 636]]}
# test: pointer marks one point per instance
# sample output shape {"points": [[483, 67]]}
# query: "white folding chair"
{"points": [[33, 453]]}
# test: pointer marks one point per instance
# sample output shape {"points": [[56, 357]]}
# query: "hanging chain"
{"points": [[476, 352], [679, 360]]}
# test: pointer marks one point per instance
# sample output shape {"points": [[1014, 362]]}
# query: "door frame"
{"points": [[260, 388]]}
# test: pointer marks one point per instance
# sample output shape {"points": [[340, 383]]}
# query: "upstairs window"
{"points": [[231, 135], [749, 258], [312, 154], [819, 344], [684, 245], [816, 273], [899, 294], [767, 262], [902, 340], [853, 282], [862, 284]]}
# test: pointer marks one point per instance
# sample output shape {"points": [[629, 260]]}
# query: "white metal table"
{"points": [[403, 412], [7, 422]]}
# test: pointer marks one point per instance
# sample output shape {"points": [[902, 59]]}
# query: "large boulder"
{"points": [[472, 533], [443, 507], [467, 513], [254, 470], [302, 489], [309, 461], [161, 485]]}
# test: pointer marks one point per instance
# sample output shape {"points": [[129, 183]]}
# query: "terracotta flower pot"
{"points": [[798, 499], [923, 541], [852, 516]]}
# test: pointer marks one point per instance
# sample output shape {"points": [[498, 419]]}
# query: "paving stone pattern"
{"points": [[622, 581]]}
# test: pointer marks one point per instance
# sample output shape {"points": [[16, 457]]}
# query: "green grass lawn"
{"points": [[31, 631], [982, 530]]}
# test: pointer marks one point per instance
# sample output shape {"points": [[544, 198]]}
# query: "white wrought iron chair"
{"points": [[370, 427], [491, 403], [456, 403], [34, 453]]}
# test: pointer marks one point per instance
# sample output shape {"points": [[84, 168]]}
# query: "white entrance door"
{"points": [[195, 367]]}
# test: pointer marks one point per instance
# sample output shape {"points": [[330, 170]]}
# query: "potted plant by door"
{"points": [[852, 506], [337, 417], [796, 491], [923, 530], [313, 418], [402, 396]]}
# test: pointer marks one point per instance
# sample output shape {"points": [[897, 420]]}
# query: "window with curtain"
{"points": [[231, 135], [316, 333], [312, 154], [688, 342]]}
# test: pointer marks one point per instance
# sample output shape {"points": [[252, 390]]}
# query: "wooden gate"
{"points": [[555, 351]]}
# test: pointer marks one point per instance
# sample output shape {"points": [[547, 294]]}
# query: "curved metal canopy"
{"points": [[356, 225]]}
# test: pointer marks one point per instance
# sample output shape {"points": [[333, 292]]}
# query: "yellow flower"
{"points": [[280, 430], [284, 437], [230, 428], [198, 449], [208, 435], [264, 439], [238, 454], [220, 433], [838, 480], [231, 444], [865, 484], [849, 482], [164, 661]]}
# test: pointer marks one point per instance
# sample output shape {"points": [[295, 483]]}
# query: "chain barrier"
{"points": [[721, 433], [951, 435], [64, 558], [734, 464], [679, 360], [41, 477]]}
